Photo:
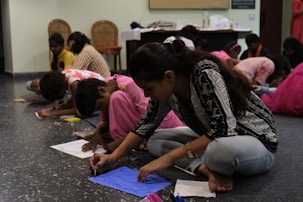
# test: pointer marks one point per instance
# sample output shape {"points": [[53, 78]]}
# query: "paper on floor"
{"points": [[187, 188], [74, 148], [125, 179]]}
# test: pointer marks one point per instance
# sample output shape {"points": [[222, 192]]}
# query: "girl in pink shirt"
{"points": [[121, 103], [256, 69], [53, 86], [288, 98]]}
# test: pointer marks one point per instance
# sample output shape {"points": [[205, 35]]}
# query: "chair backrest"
{"points": [[104, 33], [60, 26]]}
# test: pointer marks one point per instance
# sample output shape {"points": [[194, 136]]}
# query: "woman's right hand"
{"points": [[99, 160]]}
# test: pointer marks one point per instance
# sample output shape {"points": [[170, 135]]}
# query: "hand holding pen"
{"points": [[99, 160]]}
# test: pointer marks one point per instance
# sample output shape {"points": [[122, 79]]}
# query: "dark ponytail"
{"points": [[151, 60], [79, 41]]}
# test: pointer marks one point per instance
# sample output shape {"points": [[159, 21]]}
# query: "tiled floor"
{"points": [[31, 170]]}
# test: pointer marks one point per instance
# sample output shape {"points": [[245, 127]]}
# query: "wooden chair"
{"points": [[105, 40], [60, 26]]}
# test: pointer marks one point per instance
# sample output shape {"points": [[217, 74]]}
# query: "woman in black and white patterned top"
{"points": [[229, 130]]}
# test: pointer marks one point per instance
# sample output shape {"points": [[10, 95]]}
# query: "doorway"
{"points": [[271, 25]]}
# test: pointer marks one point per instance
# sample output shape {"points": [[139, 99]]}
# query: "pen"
{"points": [[95, 161], [172, 197], [184, 170]]}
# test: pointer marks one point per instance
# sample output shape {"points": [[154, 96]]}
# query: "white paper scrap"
{"points": [[74, 148], [188, 188]]}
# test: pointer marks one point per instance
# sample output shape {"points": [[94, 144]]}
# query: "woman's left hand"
{"points": [[159, 163]]}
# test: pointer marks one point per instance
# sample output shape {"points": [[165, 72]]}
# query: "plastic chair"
{"points": [[105, 40], [60, 26]]}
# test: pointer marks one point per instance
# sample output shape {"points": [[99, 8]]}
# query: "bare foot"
{"points": [[142, 147], [217, 182]]}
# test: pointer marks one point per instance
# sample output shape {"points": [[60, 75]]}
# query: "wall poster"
{"points": [[188, 4], [243, 4]]}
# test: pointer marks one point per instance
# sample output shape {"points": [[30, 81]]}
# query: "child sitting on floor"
{"points": [[256, 69], [53, 86], [88, 58], [288, 98], [121, 103], [254, 47], [265, 73], [61, 59]]}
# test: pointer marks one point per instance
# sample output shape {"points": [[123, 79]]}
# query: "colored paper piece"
{"points": [[125, 179], [19, 100], [74, 148], [72, 120], [188, 188]]}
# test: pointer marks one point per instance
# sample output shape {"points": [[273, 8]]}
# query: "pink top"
{"points": [[127, 106], [288, 98], [256, 68], [78, 75], [222, 55]]}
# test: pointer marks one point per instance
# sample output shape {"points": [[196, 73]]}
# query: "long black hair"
{"points": [[87, 95], [151, 60], [53, 85], [57, 38], [79, 41]]}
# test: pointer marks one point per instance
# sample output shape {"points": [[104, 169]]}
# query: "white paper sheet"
{"points": [[74, 148], [187, 188]]}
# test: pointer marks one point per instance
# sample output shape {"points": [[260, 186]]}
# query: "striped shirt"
{"points": [[90, 59]]}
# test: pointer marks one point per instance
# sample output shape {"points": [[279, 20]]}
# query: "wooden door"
{"points": [[271, 25]]}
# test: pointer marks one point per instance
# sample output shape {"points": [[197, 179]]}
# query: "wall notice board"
{"points": [[188, 4]]}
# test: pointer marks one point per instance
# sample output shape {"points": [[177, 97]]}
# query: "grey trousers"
{"points": [[226, 155]]}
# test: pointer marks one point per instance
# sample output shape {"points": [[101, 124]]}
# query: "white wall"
{"points": [[286, 19], [25, 26]]}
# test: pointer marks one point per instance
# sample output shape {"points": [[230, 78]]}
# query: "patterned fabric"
{"points": [[209, 111], [90, 59], [65, 60], [72, 75]]}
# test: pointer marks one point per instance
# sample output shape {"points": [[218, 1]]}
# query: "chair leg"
{"points": [[115, 62], [119, 58]]}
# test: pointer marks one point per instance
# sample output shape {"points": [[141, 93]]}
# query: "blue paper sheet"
{"points": [[125, 179]]}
